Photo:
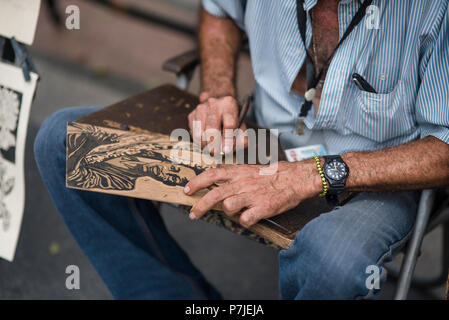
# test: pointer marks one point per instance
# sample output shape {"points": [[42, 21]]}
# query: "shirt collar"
{"points": [[309, 4]]}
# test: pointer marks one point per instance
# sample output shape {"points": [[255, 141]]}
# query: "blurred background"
{"points": [[115, 55]]}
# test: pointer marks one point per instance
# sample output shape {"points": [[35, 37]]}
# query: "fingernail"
{"points": [[186, 189], [192, 216]]}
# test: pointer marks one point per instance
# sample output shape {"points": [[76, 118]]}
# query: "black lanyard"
{"points": [[312, 78]]}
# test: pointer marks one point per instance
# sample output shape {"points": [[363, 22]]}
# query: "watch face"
{"points": [[336, 170]]}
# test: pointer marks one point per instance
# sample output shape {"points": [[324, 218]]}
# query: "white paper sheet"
{"points": [[16, 96], [18, 18]]}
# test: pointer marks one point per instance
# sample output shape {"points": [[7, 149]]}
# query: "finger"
{"points": [[206, 179], [198, 128], [229, 125], [241, 142], [236, 203], [213, 145], [251, 216], [190, 119], [212, 198], [213, 129], [213, 120], [204, 96], [230, 119]]}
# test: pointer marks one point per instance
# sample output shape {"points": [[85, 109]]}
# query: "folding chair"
{"points": [[433, 210]]}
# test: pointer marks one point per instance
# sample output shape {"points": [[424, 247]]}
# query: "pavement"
{"points": [[99, 65]]}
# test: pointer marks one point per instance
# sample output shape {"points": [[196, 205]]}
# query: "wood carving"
{"points": [[125, 149], [127, 163]]}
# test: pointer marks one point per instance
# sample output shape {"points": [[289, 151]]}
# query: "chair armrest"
{"points": [[184, 63]]}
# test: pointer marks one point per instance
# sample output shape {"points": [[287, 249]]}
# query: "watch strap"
{"points": [[332, 199]]}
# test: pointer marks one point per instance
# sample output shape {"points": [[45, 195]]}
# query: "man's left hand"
{"points": [[244, 189]]}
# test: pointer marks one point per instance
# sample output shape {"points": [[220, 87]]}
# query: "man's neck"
{"points": [[325, 27], [325, 39]]}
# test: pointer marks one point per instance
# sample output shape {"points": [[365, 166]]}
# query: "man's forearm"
{"points": [[219, 41], [416, 165]]}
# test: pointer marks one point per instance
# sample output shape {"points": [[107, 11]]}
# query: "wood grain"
{"points": [[125, 163], [125, 150]]}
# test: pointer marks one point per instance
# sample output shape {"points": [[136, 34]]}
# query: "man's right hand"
{"points": [[220, 114], [219, 44]]}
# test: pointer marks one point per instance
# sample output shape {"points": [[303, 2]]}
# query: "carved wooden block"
{"points": [[125, 150], [126, 163]]}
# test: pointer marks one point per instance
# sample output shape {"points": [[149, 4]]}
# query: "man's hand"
{"points": [[258, 196], [220, 114], [219, 44]]}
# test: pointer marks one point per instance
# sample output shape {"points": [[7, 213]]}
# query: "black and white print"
{"points": [[6, 186], [99, 158], [10, 101], [16, 96]]}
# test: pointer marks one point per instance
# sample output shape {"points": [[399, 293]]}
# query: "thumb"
{"points": [[229, 125]]}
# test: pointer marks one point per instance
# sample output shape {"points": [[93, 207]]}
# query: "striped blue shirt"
{"points": [[405, 59]]}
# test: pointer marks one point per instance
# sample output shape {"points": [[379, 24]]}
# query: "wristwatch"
{"points": [[336, 172]]}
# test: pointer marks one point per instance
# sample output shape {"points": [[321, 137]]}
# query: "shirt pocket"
{"points": [[380, 116]]}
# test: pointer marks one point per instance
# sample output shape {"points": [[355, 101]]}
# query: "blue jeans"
{"points": [[327, 260]]}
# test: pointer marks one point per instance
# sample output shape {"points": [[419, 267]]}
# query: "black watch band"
{"points": [[332, 200]]}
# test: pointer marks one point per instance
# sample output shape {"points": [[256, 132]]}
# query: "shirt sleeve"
{"points": [[234, 9], [432, 105]]}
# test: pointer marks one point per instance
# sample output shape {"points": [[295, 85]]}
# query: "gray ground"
{"points": [[240, 268]]}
